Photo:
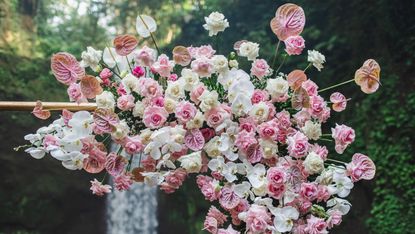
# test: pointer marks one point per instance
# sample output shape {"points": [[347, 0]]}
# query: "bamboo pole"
{"points": [[52, 106]]}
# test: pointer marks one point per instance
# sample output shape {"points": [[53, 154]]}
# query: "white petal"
{"points": [[145, 24]]}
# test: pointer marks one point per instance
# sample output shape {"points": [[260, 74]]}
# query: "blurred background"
{"points": [[40, 196]]}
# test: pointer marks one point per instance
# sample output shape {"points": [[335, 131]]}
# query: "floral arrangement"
{"points": [[253, 138]]}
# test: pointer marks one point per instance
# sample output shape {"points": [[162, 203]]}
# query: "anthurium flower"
{"points": [[145, 25], [368, 76], [289, 20], [66, 68], [39, 112], [125, 44]]}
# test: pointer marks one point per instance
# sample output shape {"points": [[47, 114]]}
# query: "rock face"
{"points": [[133, 211]]}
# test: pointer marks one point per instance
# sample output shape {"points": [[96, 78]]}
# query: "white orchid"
{"points": [[284, 218], [153, 178], [225, 146], [192, 163], [339, 204], [241, 105], [256, 175], [113, 60], [75, 161], [243, 190], [342, 183], [228, 170], [166, 162]]}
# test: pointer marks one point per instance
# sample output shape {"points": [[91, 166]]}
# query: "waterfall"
{"points": [[133, 211]]}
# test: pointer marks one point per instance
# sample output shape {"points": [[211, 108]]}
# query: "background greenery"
{"points": [[38, 196]]}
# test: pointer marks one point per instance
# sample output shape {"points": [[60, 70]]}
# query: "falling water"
{"points": [[133, 211]]}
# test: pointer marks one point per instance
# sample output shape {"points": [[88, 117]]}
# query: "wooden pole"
{"points": [[52, 106]]}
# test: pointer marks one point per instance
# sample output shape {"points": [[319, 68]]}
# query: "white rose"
{"points": [[313, 163], [145, 136], [138, 110], [316, 58], [196, 122], [209, 100], [215, 23], [192, 163], [175, 90], [105, 100], [312, 130], [190, 78], [212, 147], [121, 130], [220, 63], [260, 112], [269, 148], [130, 83], [277, 87], [233, 63], [170, 105], [249, 50], [91, 58]]}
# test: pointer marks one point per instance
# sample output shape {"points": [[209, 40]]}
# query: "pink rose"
{"points": [[202, 180], [175, 178], [149, 164], [309, 191], [228, 198], [215, 116], [276, 175], [138, 71], [125, 102], [310, 87], [209, 191], [294, 45], [123, 182], [204, 51], [298, 145], [216, 214], [259, 96], [276, 190], [207, 133], [185, 111], [361, 167], [229, 230], [158, 101], [339, 101], [167, 188], [301, 117], [320, 150], [343, 136], [334, 219], [105, 74], [154, 117], [210, 225], [98, 188], [248, 124], [163, 66], [283, 120], [145, 56], [149, 88], [244, 140], [268, 130], [133, 145], [121, 90], [173, 77], [260, 68], [74, 93], [95, 162], [194, 140], [257, 219], [115, 164], [317, 105], [316, 225], [202, 66], [196, 93], [322, 193]]}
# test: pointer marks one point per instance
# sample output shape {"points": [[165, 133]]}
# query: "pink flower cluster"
{"points": [[254, 139]]}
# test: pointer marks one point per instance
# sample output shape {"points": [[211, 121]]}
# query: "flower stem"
{"points": [[275, 54], [336, 85], [323, 139], [128, 61], [151, 34], [112, 56], [282, 63], [305, 69], [337, 161]]}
